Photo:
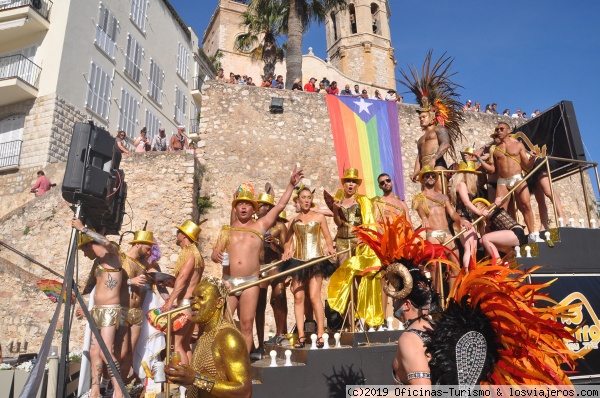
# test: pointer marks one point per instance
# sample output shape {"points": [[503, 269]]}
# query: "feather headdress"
{"points": [[521, 340], [435, 93]]}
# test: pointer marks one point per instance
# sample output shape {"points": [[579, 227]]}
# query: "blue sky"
{"points": [[520, 54]]}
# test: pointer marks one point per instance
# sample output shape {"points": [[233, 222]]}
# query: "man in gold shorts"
{"points": [[107, 276]]}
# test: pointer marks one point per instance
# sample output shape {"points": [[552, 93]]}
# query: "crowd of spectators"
{"points": [[491, 109], [323, 87]]}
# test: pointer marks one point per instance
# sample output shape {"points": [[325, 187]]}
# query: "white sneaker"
{"points": [[534, 237]]}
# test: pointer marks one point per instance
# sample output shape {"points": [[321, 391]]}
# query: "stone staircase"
{"points": [[363, 358]]}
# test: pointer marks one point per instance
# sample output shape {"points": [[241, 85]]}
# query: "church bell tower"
{"points": [[359, 42]]}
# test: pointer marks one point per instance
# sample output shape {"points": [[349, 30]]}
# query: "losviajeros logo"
{"points": [[587, 335]]}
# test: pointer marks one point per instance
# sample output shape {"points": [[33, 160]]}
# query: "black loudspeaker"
{"points": [[88, 170], [276, 105]]}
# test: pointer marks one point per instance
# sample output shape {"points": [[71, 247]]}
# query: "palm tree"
{"points": [[301, 14], [264, 21]]}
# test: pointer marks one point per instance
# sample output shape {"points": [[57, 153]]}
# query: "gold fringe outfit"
{"points": [[185, 254], [203, 360], [420, 200], [345, 238], [225, 235], [131, 316], [364, 263]]}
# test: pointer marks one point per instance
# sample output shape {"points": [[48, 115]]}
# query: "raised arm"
{"points": [[271, 216]]}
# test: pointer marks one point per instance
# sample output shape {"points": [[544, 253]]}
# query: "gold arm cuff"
{"points": [[204, 383]]}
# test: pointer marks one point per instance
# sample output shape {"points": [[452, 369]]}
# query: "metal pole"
{"points": [[443, 182], [351, 307], [552, 194], [587, 207], [280, 274], [168, 358]]}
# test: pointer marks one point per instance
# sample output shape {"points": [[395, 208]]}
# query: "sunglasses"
{"points": [[429, 175], [382, 182], [497, 129]]}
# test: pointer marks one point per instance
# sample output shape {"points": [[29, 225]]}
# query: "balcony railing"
{"points": [[10, 152], [43, 7], [19, 66], [197, 82]]}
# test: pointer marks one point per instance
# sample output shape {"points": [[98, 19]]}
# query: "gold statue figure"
{"points": [[220, 364]]}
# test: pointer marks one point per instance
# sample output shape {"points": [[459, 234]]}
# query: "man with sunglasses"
{"points": [[389, 204], [433, 206], [510, 159]]}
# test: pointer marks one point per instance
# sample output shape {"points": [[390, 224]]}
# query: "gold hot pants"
{"points": [[105, 316], [510, 182], [131, 316], [440, 234]]}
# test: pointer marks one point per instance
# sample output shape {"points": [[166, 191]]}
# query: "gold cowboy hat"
{"points": [[84, 239], [266, 199], [351, 174], [245, 196], [467, 167], [190, 229], [282, 216], [426, 170], [145, 237]]}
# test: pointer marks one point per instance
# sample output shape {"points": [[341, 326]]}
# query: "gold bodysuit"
{"points": [[308, 240], [203, 360], [345, 238]]}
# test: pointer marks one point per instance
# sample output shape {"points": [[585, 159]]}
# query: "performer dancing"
{"points": [[309, 227], [188, 271], [440, 114], [132, 296], [220, 365], [356, 209], [243, 242], [462, 191], [107, 276], [272, 251]]}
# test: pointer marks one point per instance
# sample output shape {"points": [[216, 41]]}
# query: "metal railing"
{"points": [[43, 7], [10, 152], [21, 67], [197, 82]]}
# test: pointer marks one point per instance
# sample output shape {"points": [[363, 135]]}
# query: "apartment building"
{"points": [[124, 64]]}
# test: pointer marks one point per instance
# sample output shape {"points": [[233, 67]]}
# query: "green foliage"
{"points": [[26, 231], [216, 59], [264, 23], [204, 204]]}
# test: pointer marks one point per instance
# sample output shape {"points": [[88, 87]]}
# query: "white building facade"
{"points": [[124, 64]]}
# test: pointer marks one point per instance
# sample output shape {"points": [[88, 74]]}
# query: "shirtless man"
{"points": [[107, 276], [133, 293], [388, 204], [273, 250], [188, 271], [432, 146], [432, 206], [509, 159], [243, 242]]}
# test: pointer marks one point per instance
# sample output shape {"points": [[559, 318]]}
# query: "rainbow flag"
{"points": [[366, 136]]}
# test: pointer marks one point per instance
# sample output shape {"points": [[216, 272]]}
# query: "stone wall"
{"points": [[15, 185], [243, 142], [64, 117], [162, 189]]}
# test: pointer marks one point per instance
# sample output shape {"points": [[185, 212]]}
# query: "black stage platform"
{"points": [[325, 372]]}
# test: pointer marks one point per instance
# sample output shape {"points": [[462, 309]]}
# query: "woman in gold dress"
{"points": [[309, 229], [347, 214]]}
